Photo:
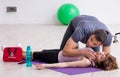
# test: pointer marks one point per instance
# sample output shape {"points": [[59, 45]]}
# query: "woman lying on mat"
{"points": [[103, 60]]}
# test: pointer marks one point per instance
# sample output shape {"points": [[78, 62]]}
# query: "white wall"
{"points": [[44, 11]]}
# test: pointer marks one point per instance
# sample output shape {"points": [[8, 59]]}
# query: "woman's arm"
{"points": [[81, 63]]}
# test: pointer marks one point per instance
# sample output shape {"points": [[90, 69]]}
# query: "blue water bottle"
{"points": [[28, 57]]}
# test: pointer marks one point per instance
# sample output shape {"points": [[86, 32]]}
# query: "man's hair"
{"points": [[109, 63], [101, 35]]}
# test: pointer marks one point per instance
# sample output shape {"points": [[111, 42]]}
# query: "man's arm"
{"points": [[107, 45], [70, 49], [106, 49], [81, 63]]}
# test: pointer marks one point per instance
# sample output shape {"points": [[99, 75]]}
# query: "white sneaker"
{"points": [[2, 47], [19, 44]]}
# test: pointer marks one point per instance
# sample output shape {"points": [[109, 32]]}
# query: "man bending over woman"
{"points": [[89, 31]]}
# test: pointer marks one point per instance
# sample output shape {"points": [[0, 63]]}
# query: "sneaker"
{"points": [[2, 47]]}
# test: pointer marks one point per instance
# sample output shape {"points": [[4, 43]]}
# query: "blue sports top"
{"points": [[84, 25]]}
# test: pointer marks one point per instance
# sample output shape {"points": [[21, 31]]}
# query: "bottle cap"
{"points": [[28, 47]]}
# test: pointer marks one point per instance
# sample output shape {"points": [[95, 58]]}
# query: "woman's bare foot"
{"points": [[24, 54]]}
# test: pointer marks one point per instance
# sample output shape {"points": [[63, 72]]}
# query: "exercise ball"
{"points": [[66, 13]]}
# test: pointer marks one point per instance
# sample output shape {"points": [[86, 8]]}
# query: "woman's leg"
{"points": [[48, 56], [67, 35], [24, 55]]}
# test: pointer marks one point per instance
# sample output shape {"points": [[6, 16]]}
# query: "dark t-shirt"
{"points": [[83, 27]]}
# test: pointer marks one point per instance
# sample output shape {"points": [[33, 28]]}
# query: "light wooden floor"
{"points": [[43, 37]]}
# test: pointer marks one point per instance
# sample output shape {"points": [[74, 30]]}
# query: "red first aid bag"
{"points": [[12, 54]]}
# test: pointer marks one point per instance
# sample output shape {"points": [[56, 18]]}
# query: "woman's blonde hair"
{"points": [[109, 63]]}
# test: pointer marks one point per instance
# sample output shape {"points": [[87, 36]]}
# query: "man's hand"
{"points": [[89, 53]]}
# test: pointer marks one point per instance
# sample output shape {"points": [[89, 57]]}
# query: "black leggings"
{"points": [[51, 56], [67, 35], [47, 56]]}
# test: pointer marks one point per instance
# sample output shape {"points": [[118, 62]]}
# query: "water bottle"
{"points": [[28, 57]]}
